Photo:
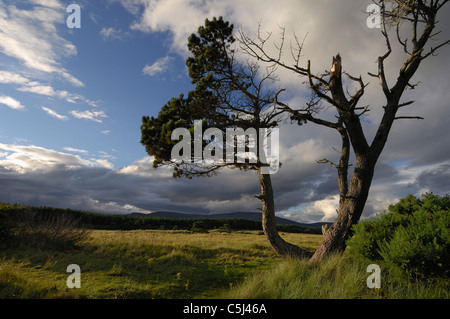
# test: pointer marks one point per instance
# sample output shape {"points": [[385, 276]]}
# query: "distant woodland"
{"points": [[11, 214]]}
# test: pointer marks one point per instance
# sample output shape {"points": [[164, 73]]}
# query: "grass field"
{"points": [[181, 264], [141, 264]]}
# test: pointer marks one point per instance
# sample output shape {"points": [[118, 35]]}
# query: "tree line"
{"points": [[12, 214]]}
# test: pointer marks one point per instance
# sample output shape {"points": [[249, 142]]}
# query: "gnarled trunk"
{"points": [[351, 207], [279, 245]]}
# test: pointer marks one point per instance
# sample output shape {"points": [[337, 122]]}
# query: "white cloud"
{"points": [[47, 90], [31, 37], [11, 77], [75, 150], [31, 158], [180, 17], [11, 102], [89, 115], [112, 33], [54, 114], [144, 167], [104, 163], [36, 87], [55, 4], [326, 206], [159, 66]]}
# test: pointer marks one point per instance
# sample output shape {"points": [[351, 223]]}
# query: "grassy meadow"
{"points": [[173, 264], [141, 264]]}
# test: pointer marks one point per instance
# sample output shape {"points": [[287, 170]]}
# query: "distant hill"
{"points": [[238, 215]]}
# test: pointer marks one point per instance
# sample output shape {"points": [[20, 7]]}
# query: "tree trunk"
{"points": [[350, 209], [279, 245]]}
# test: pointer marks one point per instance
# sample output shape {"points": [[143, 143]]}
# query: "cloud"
{"points": [[159, 66], [39, 176], [36, 87], [35, 175], [89, 115], [112, 33], [11, 77], [31, 37], [437, 177], [325, 208], [104, 163], [55, 4], [181, 18], [54, 114], [47, 90], [11, 102], [30, 158], [75, 150]]}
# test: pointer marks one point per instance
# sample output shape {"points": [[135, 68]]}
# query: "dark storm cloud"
{"points": [[437, 179]]}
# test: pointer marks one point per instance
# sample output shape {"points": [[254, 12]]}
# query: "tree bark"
{"points": [[279, 245], [351, 207]]}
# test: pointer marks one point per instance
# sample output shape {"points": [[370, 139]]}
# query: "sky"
{"points": [[72, 100]]}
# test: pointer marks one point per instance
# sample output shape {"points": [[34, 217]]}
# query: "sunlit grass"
{"points": [[337, 277], [181, 264], [140, 264]]}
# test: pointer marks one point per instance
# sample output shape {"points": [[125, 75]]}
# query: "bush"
{"points": [[199, 227], [413, 236]]}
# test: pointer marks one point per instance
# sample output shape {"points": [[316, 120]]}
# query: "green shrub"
{"points": [[413, 236], [199, 227]]}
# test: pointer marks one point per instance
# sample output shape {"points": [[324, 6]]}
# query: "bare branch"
{"points": [[365, 110], [406, 103], [403, 43], [354, 99], [408, 117], [433, 50], [412, 86], [299, 49], [324, 161]]}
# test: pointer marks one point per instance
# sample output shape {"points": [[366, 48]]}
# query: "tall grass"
{"points": [[296, 279], [28, 227], [337, 277]]}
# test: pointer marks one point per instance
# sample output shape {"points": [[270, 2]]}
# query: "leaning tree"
{"points": [[420, 18], [230, 94]]}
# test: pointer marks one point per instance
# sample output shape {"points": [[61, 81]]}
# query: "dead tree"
{"points": [[353, 191]]}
